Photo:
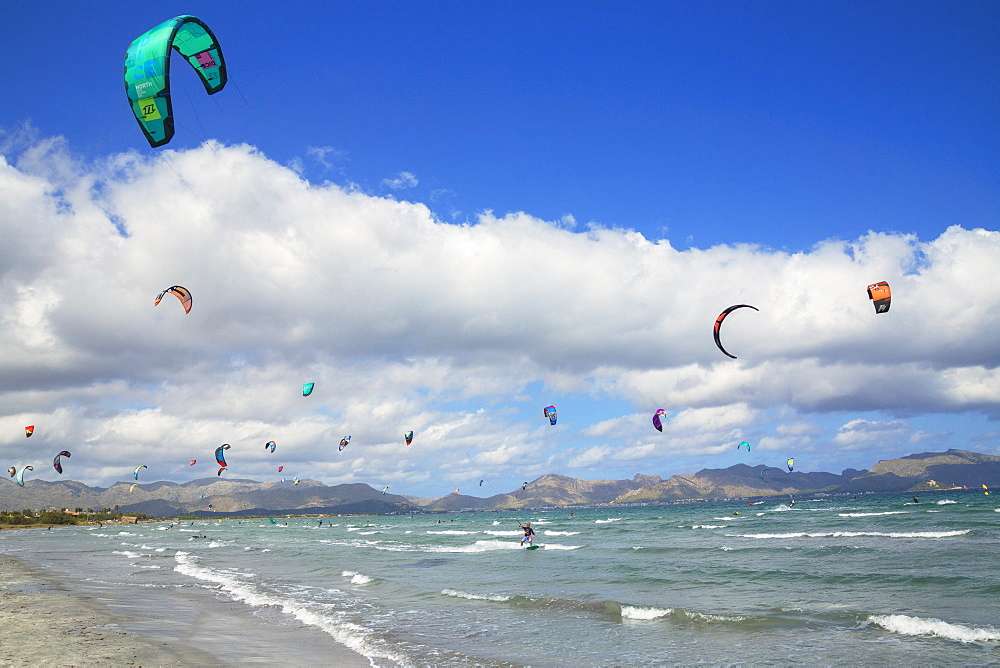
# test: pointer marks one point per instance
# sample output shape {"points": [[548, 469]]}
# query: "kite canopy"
{"points": [[182, 293], [790, 463], [12, 471], [880, 295], [193, 462], [29, 430], [132, 487], [657, 422], [270, 444], [550, 413], [56, 463], [147, 71], [742, 444], [136, 473], [762, 473], [718, 325], [344, 441], [20, 475], [307, 389], [220, 454], [409, 437]]}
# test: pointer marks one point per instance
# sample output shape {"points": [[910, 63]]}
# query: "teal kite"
{"points": [[147, 71]]}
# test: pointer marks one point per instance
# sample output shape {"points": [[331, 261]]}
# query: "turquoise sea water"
{"points": [[866, 580]]}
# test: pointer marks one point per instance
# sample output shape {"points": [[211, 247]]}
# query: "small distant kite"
{"points": [[550, 413], [790, 463], [193, 462], [221, 469], [880, 295], [385, 489], [12, 471], [524, 486], [132, 487], [657, 422], [343, 442], [307, 389], [220, 456], [135, 474], [20, 475], [762, 473], [29, 430], [57, 463], [718, 325], [280, 469], [409, 437], [480, 483], [742, 444], [182, 293], [270, 444], [456, 490], [296, 481]]}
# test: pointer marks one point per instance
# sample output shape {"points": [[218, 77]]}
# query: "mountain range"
{"points": [[211, 497]]}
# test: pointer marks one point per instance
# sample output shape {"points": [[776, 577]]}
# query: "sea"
{"points": [[839, 580]]}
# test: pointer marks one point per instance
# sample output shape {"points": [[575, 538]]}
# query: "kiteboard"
{"points": [[532, 547]]}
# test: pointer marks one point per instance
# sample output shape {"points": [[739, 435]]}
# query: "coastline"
{"points": [[44, 623]]}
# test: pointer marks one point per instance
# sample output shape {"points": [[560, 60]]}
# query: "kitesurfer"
{"points": [[916, 500], [529, 533]]}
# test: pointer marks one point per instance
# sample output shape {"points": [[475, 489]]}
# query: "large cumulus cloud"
{"points": [[408, 322]]}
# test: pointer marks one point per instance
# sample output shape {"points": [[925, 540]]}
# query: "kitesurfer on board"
{"points": [[529, 533]]}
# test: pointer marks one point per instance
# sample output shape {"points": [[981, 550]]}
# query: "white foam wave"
{"points": [[479, 546], [356, 578], [347, 633], [610, 519], [946, 502], [127, 553], [636, 612], [888, 512], [552, 546], [503, 533], [916, 626], [858, 534], [453, 532], [475, 597], [713, 618], [552, 532], [708, 526]]}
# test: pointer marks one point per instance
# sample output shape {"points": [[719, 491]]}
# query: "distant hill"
{"points": [[207, 496], [211, 497]]}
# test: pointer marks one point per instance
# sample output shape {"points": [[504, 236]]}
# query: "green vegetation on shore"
{"points": [[22, 518]]}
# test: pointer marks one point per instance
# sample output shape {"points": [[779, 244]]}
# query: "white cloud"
{"points": [[405, 322], [401, 181], [858, 434]]}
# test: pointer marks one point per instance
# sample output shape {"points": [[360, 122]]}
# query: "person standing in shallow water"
{"points": [[529, 533]]}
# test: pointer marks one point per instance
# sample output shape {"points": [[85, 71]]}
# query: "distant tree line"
{"points": [[28, 516]]}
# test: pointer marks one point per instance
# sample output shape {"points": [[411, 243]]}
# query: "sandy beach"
{"points": [[46, 625]]}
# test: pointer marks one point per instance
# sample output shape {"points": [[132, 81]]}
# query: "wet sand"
{"points": [[43, 624]]}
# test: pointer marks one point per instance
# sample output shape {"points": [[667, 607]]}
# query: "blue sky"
{"points": [[508, 205]]}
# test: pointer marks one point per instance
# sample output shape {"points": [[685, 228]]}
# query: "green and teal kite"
{"points": [[147, 71]]}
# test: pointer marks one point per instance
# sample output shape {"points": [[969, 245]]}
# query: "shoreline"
{"points": [[45, 623]]}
